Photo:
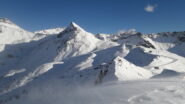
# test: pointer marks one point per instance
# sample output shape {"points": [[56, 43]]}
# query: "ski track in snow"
{"points": [[164, 64], [172, 94], [175, 59]]}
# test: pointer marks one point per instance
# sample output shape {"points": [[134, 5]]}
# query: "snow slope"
{"points": [[92, 65], [45, 53], [121, 70], [12, 33], [49, 31]]}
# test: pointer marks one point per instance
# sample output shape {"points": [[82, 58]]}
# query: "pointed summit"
{"points": [[74, 26]]}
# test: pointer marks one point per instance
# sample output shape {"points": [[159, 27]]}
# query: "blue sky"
{"points": [[97, 16]]}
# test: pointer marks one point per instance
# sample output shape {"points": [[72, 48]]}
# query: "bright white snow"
{"points": [[70, 65]]}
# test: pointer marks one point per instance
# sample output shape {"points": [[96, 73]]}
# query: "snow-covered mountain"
{"points": [[53, 31], [12, 34], [72, 56]]}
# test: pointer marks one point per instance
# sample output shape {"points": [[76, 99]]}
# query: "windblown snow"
{"points": [[70, 65]]}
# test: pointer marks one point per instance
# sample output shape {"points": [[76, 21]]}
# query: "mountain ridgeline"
{"points": [[73, 56]]}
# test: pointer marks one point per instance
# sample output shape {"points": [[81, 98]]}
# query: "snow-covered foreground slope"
{"points": [[168, 90], [52, 65]]}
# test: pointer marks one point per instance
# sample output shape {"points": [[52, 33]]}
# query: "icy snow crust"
{"points": [[131, 67]]}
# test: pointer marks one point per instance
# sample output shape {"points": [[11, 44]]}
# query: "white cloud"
{"points": [[150, 8]]}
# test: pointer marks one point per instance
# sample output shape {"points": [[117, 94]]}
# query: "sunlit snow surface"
{"points": [[154, 91], [72, 66]]}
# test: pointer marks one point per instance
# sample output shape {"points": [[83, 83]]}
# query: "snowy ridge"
{"points": [[8, 23], [47, 51], [11, 33], [49, 31], [77, 42], [72, 56], [120, 69]]}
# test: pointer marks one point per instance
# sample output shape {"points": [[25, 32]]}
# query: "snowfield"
{"points": [[70, 65]]}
